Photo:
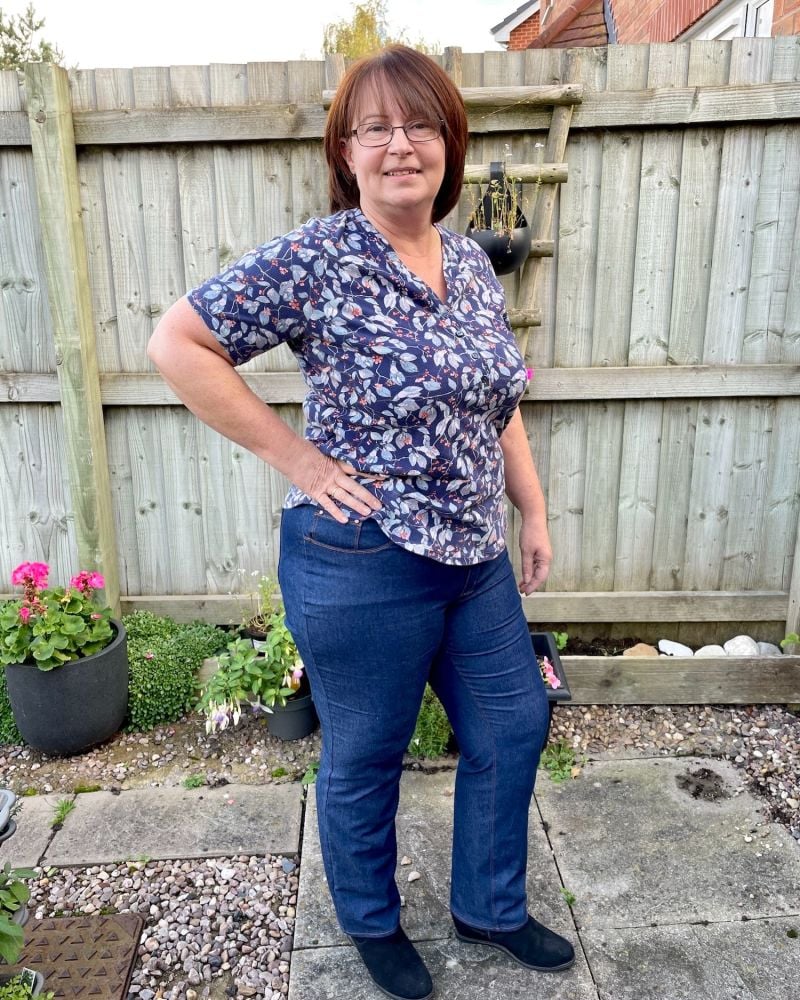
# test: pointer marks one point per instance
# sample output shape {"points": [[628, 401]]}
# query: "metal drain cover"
{"points": [[89, 956]]}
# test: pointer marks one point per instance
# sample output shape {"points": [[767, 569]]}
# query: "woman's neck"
{"points": [[409, 237]]}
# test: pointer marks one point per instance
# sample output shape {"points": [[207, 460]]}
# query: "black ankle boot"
{"points": [[395, 966], [533, 945]]}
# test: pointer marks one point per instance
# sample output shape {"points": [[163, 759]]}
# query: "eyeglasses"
{"points": [[381, 134]]}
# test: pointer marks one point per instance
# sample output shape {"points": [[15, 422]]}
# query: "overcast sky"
{"points": [[93, 33]]}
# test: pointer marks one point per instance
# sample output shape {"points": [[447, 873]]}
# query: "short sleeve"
{"points": [[258, 302]]}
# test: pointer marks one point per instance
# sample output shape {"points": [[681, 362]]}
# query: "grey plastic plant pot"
{"points": [[544, 644], [32, 978]]}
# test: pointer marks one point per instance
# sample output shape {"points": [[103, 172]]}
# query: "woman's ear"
{"points": [[347, 154]]}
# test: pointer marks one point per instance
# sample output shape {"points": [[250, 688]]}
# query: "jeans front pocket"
{"points": [[359, 537]]}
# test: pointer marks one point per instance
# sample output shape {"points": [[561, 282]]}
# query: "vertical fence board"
{"points": [[25, 325], [652, 286], [38, 524], [699, 173], [272, 187], [754, 427], [127, 241]]}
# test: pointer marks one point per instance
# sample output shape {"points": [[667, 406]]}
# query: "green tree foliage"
{"points": [[366, 32], [17, 45]]}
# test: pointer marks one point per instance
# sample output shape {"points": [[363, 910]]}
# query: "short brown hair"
{"points": [[420, 87]]}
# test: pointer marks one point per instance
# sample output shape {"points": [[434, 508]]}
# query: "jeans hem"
{"points": [[489, 930]]}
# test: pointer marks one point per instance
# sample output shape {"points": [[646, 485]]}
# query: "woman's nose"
{"points": [[400, 140]]}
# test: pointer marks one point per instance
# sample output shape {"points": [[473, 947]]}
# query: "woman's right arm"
{"points": [[200, 373]]}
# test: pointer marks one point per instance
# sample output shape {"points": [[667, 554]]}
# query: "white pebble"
{"points": [[674, 648]]}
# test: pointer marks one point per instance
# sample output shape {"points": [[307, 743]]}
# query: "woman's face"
{"points": [[397, 182]]}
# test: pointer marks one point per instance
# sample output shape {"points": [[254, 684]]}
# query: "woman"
{"points": [[393, 565]]}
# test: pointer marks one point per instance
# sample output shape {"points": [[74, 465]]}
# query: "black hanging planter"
{"points": [[75, 706], [507, 246]]}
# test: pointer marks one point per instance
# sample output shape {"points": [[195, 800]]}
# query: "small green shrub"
{"points": [[194, 781], [432, 732], [164, 656], [9, 734]]}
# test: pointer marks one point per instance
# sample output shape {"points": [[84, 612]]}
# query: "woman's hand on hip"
{"points": [[537, 555], [329, 481]]}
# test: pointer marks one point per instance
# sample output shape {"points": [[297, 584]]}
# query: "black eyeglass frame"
{"points": [[438, 121]]}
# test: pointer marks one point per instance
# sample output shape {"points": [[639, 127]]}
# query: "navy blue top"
{"points": [[401, 384]]}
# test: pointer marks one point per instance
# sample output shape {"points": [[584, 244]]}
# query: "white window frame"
{"points": [[733, 19]]}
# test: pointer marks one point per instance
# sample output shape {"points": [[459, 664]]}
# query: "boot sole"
{"points": [[525, 965], [395, 996]]}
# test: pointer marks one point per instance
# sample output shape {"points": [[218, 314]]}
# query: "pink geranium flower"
{"points": [[31, 573], [25, 613], [87, 582]]}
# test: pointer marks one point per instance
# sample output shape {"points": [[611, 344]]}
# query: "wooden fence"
{"points": [[664, 413]]}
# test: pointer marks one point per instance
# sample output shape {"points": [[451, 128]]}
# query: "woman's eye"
{"points": [[375, 129], [418, 126]]}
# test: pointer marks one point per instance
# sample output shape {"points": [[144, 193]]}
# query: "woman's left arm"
{"points": [[525, 492]]}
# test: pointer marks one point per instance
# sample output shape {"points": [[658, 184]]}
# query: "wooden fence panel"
{"points": [[676, 246]]}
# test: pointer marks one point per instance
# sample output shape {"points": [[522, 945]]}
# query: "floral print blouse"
{"points": [[400, 384]]}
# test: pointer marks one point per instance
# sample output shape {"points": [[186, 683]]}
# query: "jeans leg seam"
{"points": [[477, 704], [324, 845]]}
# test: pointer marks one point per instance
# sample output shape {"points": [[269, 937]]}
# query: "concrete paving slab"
{"points": [[460, 972], [756, 960], [27, 845], [424, 834], [635, 846], [179, 823]]}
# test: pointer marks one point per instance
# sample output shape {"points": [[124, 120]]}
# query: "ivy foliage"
{"points": [[164, 657]]}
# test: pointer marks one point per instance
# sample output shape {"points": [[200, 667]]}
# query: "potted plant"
{"points": [[66, 662], [555, 680], [498, 224], [14, 895], [23, 984], [255, 622], [270, 679]]}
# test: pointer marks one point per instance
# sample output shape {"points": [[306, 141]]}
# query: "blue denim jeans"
{"points": [[373, 622]]}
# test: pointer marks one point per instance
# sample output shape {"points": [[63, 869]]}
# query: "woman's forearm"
{"points": [[522, 481]]}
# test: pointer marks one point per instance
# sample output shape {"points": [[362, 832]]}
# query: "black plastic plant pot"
{"points": [[297, 718], [75, 706], [506, 252]]}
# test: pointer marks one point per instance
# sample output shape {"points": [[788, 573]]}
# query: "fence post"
{"points": [[56, 171], [452, 64]]}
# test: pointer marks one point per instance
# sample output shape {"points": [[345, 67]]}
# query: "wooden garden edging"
{"points": [[683, 680]]}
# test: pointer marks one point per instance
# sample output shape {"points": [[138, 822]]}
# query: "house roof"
{"points": [[521, 14], [560, 24]]}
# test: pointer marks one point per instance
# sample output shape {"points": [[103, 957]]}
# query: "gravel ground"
{"points": [[224, 927]]}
